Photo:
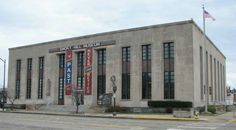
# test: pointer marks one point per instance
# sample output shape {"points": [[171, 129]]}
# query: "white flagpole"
{"points": [[203, 9], [204, 38]]}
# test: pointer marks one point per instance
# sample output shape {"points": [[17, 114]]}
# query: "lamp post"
{"points": [[4, 61]]}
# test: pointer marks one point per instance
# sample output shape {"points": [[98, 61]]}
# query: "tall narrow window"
{"points": [[201, 73], [80, 72], [101, 80], [61, 79], [146, 72], [126, 73], [169, 73], [206, 74], [29, 73], [215, 85], [211, 87], [218, 78], [18, 71], [221, 84], [40, 81]]}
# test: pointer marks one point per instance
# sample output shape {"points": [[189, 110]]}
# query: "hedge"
{"points": [[170, 104], [212, 109]]}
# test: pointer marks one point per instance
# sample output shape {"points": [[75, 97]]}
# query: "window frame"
{"points": [[146, 71], [169, 70], [125, 80]]}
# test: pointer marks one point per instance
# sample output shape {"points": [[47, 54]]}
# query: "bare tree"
{"points": [[11, 99], [76, 99]]}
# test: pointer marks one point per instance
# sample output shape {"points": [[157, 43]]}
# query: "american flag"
{"points": [[207, 15]]}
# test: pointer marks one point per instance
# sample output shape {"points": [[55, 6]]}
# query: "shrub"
{"points": [[212, 109], [170, 104]]}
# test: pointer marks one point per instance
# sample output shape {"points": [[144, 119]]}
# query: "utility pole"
{"points": [[4, 76]]}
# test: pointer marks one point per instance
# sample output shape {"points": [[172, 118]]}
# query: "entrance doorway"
{"points": [[101, 77]]}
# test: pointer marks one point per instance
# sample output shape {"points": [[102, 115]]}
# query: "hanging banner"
{"points": [[68, 89], [68, 55], [88, 71], [68, 80], [68, 73]]}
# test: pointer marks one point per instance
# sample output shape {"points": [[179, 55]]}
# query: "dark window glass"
{"points": [[62, 61], [40, 81], [144, 52], [211, 86], [172, 77], [169, 76], [128, 54], [126, 73], [215, 85], [80, 73], [101, 79], [218, 78], [201, 73], [18, 71], [206, 76], [61, 88], [104, 57], [221, 83], [171, 55], [146, 72], [28, 80], [169, 50], [169, 85], [149, 55], [61, 79]]}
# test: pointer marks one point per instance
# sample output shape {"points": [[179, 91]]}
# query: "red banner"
{"points": [[68, 78], [88, 71], [68, 89], [69, 55]]}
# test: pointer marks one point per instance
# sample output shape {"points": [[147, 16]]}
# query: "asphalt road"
{"points": [[14, 121]]}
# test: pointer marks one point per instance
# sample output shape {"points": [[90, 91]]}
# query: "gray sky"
{"points": [[24, 22]]}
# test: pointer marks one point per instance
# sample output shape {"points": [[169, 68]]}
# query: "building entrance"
{"points": [[101, 77]]}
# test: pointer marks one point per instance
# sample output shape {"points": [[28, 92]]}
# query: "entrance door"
{"points": [[101, 78], [80, 75]]}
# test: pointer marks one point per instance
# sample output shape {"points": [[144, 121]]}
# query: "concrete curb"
{"points": [[170, 118], [116, 117], [233, 120]]}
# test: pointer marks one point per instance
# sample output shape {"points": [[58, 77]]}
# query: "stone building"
{"points": [[159, 62]]}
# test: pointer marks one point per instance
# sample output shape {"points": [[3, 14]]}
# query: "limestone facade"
{"points": [[188, 84]]}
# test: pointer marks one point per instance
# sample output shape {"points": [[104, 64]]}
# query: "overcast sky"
{"points": [[24, 22]]}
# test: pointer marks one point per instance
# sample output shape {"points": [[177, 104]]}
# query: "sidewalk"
{"points": [[226, 117], [118, 116]]}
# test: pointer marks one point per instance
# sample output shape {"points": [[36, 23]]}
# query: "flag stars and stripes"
{"points": [[208, 15]]}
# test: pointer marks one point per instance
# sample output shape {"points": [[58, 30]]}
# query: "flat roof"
{"points": [[121, 31], [208, 38]]}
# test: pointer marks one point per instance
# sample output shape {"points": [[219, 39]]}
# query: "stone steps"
{"points": [[70, 108], [58, 108]]}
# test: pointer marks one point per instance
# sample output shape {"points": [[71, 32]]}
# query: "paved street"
{"points": [[14, 121]]}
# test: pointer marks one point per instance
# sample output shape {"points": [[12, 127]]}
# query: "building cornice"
{"points": [[122, 31]]}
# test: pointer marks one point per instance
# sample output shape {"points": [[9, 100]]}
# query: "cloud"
{"points": [[32, 21]]}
